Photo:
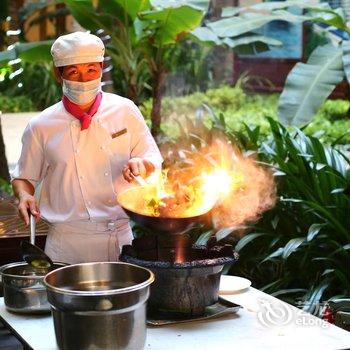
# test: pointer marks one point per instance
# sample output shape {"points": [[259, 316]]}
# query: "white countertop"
{"points": [[250, 328]]}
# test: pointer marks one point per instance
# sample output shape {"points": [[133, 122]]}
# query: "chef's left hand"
{"points": [[136, 167]]}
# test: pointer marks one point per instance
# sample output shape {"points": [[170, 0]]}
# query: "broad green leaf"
{"points": [[87, 16], [292, 246], [197, 4], [170, 24], [224, 232], [277, 253], [338, 190], [7, 55], [314, 229], [327, 272], [315, 295], [346, 58], [204, 237], [288, 291], [247, 22], [30, 52], [132, 7], [330, 17], [247, 239], [271, 6], [246, 40], [204, 34], [308, 85], [230, 11]]}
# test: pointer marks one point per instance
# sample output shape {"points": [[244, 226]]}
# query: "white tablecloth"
{"points": [[251, 328]]}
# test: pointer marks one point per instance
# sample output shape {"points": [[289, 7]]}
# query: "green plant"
{"points": [[330, 124], [5, 187], [335, 109], [16, 104], [309, 84], [299, 251], [39, 84]]}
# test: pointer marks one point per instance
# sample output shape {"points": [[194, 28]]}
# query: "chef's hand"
{"points": [[28, 204], [136, 167]]}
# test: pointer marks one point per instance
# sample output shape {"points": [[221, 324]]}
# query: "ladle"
{"points": [[32, 254]]}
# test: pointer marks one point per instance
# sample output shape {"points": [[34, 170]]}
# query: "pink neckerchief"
{"points": [[75, 110]]}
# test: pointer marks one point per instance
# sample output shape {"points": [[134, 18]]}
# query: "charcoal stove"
{"points": [[187, 277]]}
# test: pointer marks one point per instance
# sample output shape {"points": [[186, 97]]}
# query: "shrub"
{"points": [[300, 250], [331, 124], [16, 104], [335, 109]]}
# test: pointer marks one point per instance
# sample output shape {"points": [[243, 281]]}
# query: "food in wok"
{"points": [[181, 202]]}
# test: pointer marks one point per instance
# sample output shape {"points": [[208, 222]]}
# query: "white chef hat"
{"points": [[77, 47]]}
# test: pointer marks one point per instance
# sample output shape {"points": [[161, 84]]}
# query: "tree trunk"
{"points": [[158, 82], [4, 170]]}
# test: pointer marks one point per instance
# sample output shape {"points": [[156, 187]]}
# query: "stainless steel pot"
{"points": [[99, 305], [24, 291]]}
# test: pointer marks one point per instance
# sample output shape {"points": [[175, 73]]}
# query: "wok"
{"points": [[134, 197]]}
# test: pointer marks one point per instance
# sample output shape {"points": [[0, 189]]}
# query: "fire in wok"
{"points": [[218, 179], [168, 205]]}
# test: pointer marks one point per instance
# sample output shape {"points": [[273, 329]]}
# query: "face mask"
{"points": [[79, 92]]}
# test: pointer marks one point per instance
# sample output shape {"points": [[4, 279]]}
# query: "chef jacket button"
{"points": [[81, 177], [89, 202], [76, 151], [102, 147], [106, 174]]}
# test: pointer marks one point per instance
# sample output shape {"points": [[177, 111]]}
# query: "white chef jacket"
{"points": [[81, 170]]}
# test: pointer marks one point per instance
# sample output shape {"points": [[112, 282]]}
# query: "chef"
{"points": [[83, 151]]}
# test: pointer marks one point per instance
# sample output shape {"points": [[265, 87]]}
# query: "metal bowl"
{"points": [[24, 291]]}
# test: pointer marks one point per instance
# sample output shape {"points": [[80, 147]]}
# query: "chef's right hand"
{"points": [[27, 204]]}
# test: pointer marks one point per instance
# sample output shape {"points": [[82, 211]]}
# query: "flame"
{"points": [[218, 178]]}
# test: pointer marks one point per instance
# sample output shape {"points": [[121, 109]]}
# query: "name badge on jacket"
{"points": [[119, 133]]}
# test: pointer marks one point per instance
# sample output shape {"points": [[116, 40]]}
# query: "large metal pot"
{"points": [[24, 291], [99, 305]]}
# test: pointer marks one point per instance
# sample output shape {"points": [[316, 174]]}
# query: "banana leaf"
{"points": [[234, 26], [201, 5], [172, 22], [308, 85], [270, 6], [346, 59], [249, 43], [88, 16], [30, 52]]}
